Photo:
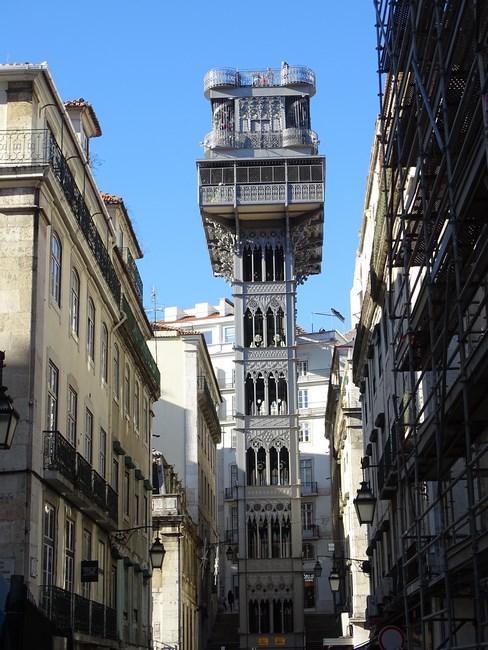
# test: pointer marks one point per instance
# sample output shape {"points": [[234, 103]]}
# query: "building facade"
{"points": [[83, 381], [420, 355], [314, 353], [350, 562], [261, 192], [187, 432]]}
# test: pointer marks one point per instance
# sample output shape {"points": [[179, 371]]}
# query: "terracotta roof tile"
{"points": [[82, 103]]}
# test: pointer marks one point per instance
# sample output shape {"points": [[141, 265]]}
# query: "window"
{"points": [[86, 555], [101, 571], [116, 371], [127, 389], [104, 353], [48, 545], [308, 552], [52, 398], [306, 475], [304, 435], [229, 334], [90, 333], [56, 269], [137, 416], [302, 368], [103, 453], [307, 515], [126, 493], [208, 337], [74, 305], [303, 398], [115, 475], [88, 435], [145, 419], [69, 554], [145, 510], [72, 412], [233, 438], [136, 509]]}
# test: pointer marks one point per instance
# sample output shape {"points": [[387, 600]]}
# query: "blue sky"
{"points": [[141, 65]]}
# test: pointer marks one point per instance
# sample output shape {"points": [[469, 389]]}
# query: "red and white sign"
{"points": [[391, 638]]}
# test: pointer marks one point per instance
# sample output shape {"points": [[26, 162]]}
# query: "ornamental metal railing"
{"points": [[72, 612], [59, 455], [292, 137], [143, 355], [203, 389], [262, 194], [285, 76], [133, 272]]}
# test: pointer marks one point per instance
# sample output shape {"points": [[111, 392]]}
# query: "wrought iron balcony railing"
{"points": [[143, 357], [309, 487], [292, 137], [203, 390], [310, 531], [133, 272], [231, 493], [72, 612], [262, 194], [287, 75], [61, 457]]}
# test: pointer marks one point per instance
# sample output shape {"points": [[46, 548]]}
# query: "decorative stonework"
{"points": [[260, 585], [266, 367], [268, 439], [307, 253], [265, 302], [222, 245], [269, 354], [263, 237]]}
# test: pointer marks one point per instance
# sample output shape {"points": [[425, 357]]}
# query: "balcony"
{"points": [[36, 147], [73, 613], [309, 487], [310, 531], [291, 137], [230, 494], [207, 405], [133, 272], [387, 469], [289, 75], [70, 474]]}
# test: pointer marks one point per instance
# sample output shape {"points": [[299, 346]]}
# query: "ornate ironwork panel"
{"points": [[99, 490], [113, 504], [97, 619], [59, 454], [24, 147], [81, 614], [83, 475]]}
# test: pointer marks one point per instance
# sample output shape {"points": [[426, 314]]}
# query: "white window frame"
{"points": [[74, 305], [56, 259]]}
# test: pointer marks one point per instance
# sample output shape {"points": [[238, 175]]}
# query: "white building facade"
{"points": [[74, 331]]}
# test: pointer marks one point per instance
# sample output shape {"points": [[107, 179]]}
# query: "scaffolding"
{"points": [[432, 451]]}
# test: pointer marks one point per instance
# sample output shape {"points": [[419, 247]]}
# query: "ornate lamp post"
{"points": [[8, 415]]}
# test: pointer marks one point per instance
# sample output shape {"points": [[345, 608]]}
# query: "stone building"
{"points": [[82, 378], [187, 432]]}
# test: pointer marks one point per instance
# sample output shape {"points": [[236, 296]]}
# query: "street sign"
{"points": [[391, 637]]}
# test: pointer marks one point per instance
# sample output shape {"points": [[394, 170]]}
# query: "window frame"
{"points": [[52, 397], [90, 330], [74, 303], [56, 268]]}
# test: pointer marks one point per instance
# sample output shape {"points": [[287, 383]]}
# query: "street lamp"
{"points": [[365, 503], [8, 415], [334, 580], [157, 553]]}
